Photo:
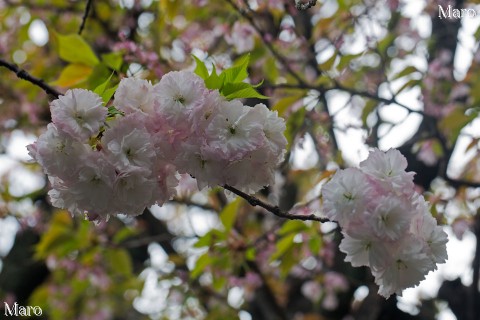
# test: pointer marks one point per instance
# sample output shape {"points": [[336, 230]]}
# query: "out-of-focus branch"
{"points": [[254, 201], [473, 308], [305, 6], [372, 96], [271, 309], [267, 43], [456, 183], [22, 74], [85, 16]]}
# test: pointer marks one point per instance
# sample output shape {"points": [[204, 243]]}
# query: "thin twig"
{"points": [[85, 16], [267, 43], [22, 74], [367, 94], [254, 201]]}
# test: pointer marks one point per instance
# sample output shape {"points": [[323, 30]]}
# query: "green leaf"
{"points": [[454, 122], [123, 234], [229, 214], [327, 65], [100, 89], [282, 246], [250, 254], [230, 88], [215, 81], [386, 42], [346, 59], [204, 241], [238, 72], [219, 283], [107, 94], [405, 72], [112, 111], [271, 70], [248, 92], [315, 244], [119, 261], [200, 69], [294, 123], [409, 84], [367, 109], [113, 60], [57, 236], [283, 104], [290, 226], [202, 262], [289, 260], [73, 48], [73, 74]]}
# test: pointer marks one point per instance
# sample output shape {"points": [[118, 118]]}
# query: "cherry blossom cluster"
{"points": [[103, 163], [386, 224]]}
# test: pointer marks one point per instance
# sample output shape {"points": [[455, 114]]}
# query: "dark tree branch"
{"points": [[457, 183], [22, 74], [254, 201], [269, 306], [473, 310], [85, 16]]}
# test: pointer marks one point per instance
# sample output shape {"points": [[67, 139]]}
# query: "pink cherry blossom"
{"points": [[408, 267], [178, 95], [242, 37], [389, 167], [79, 113], [123, 164], [346, 195], [134, 95], [234, 131], [386, 224], [127, 143], [57, 152]]}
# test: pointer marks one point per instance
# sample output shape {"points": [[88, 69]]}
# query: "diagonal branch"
{"points": [[254, 201], [85, 16], [267, 43], [22, 74]]}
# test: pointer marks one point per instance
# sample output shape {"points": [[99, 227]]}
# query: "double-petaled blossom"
{"points": [[125, 163], [79, 113], [386, 224]]}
